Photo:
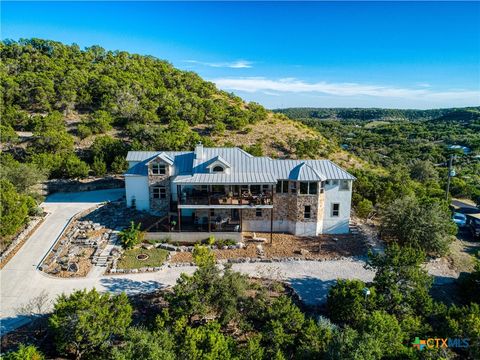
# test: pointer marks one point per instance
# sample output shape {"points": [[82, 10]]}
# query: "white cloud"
{"points": [[237, 64], [292, 85]]}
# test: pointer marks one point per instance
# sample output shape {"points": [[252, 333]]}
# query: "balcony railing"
{"points": [[223, 199]]}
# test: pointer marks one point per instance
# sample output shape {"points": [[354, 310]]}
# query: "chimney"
{"points": [[199, 151]]}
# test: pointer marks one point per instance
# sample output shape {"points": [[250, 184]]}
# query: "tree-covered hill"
{"points": [[370, 114], [419, 141]]}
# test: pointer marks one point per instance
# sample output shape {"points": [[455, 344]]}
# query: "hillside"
{"points": [[371, 114], [391, 138], [139, 102]]}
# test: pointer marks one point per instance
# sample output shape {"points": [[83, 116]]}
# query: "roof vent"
{"points": [[199, 151]]}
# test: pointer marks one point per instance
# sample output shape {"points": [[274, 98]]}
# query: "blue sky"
{"points": [[325, 54]]}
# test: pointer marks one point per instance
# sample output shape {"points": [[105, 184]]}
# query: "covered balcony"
{"points": [[225, 195]]}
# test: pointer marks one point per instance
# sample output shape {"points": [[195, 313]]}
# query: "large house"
{"points": [[227, 189]]}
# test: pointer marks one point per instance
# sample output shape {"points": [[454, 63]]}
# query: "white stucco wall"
{"points": [[136, 187], [339, 224]]}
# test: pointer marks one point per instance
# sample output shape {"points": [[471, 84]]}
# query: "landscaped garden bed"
{"points": [[130, 258], [287, 246]]}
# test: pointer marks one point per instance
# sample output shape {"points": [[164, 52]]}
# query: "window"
{"points": [[327, 182], [265, 187], [307, 212], [293, 187], [159, 192], [335, 210], [334, 182], [159, 169], [282, 186], [212, 212], [258, 213], [217, 168], [308, 188], [344, 185], [322, 187]]}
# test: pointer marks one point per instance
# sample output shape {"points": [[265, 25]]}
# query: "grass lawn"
{"points": [[156, 257]]}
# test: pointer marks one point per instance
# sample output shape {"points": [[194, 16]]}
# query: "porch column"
{"points": [[271, 217], [209, 220], [241, 222], [271, 225], [179, 199]]}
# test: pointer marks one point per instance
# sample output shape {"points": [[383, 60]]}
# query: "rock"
{"points": [[304, 252], [147, 246]]}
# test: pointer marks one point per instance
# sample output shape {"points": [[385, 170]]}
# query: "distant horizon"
{"points": [[285, 55]]}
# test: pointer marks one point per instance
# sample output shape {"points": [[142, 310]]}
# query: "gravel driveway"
{"points": [[21, 282]]}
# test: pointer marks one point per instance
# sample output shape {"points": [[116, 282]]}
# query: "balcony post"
{"points": [[179, 196], [209, 219]]}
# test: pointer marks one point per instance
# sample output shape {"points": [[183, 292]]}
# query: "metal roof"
{"points": [[227, 179], [242, 166], [304, 172]]}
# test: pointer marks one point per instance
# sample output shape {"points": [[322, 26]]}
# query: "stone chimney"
{"points": [[199, 151]]}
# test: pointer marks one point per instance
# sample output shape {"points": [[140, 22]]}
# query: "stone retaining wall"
{"points": [[20, 239], [90, 184], [192, 237]]}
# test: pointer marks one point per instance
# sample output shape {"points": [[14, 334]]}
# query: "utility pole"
{"points": [[450, 161]]}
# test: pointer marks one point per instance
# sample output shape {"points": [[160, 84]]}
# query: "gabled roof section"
{"points": [[218, 160], [242, 163], [304, 172], [163, 156]]}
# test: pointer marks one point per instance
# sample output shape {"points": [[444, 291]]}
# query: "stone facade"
{"points": [[159, 205], [288, 213]]}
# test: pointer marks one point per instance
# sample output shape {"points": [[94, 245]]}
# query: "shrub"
{"points": [[131, 236], [24, 352]]}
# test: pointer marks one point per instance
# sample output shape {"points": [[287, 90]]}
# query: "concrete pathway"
{"points": [[22, 284]]}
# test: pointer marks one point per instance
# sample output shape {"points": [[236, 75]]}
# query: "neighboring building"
{"points": [[227, 189]]}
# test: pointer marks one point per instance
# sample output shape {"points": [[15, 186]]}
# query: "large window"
{"points": [[335, 210], [308, 188], [282, 187], [159, 192], [159, 169], [344, 185], [307, 212]]}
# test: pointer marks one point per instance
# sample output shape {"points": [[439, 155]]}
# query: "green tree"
{"points": [[207, 291], [401, 284], [24, 352], [364, 208], [206, 343], [349, 344], [464, 322], [385, 329], [99, 167], [86, 320], [347, 303], [144, 344], [119, 165], [14, 208], [131, 236], [423, 171], [73, 167], [423, 224]]}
